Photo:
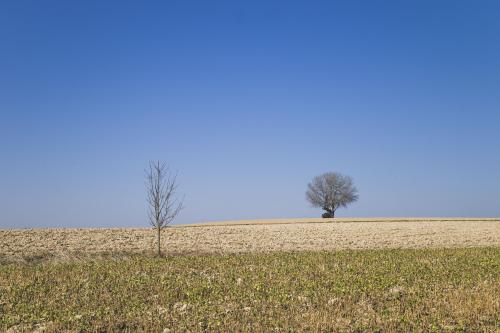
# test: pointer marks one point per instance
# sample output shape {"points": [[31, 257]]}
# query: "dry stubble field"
{"points": [[375, 275], [21, 245]]}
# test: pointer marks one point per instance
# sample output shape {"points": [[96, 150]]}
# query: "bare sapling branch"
{"points": [[163, 206]]}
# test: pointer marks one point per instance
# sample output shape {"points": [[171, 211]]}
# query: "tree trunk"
{"points": [[159, 244], [329, 213]]}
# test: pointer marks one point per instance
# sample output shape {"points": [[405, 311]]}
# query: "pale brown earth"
{"points": [[18, 245]]}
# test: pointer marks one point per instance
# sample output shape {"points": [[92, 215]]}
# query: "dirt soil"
{"points": [[21, 245]]}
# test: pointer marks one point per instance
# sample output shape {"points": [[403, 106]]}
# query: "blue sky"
{"points": [[248, 101]]}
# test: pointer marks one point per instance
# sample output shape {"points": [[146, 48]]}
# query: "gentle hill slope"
{"points": [[250, 236], [335, 220]]}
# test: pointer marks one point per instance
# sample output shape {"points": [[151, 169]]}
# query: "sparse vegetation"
{"points": [[368, 290]]}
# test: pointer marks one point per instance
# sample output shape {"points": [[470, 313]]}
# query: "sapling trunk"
{"points": [[159, 239]]}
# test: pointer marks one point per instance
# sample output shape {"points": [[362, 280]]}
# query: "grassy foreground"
{"points": [[374, 290]]}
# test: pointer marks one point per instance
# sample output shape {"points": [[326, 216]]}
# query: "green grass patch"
{"points": [[374, 290]]}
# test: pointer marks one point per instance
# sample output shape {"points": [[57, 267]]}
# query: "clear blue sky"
{"points": [[248, 101]]}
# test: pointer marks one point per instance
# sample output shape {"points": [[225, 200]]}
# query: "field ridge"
{"points": [[62, 244]]}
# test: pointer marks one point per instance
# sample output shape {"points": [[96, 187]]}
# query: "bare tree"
{"points": [[163, 206], [330, 191]]}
